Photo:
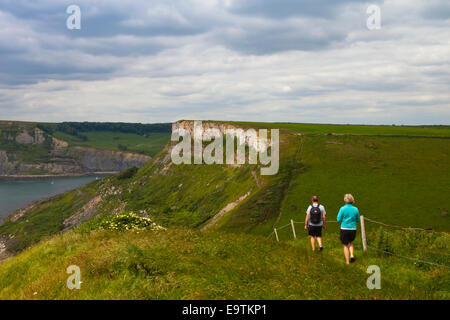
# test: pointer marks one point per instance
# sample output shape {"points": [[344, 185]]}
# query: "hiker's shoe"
{"points": [[321, 248], [352, 259]]}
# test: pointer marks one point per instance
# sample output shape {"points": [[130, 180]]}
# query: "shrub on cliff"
{"points": [[128, 173]]}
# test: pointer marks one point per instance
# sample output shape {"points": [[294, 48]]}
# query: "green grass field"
{"points": [[150, 145], [401, 181], [313, 128]]}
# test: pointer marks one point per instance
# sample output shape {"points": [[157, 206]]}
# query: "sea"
{"points": [[19, 192]]}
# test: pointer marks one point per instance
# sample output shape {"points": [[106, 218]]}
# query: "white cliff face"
{"points": [[225, 128], [59, 144], [36, 136], [24, 138]]}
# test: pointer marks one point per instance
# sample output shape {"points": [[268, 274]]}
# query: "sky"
{"points": [[254, 60]]}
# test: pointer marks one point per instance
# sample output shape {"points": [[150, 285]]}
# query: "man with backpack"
{"points": [[315, 221]]}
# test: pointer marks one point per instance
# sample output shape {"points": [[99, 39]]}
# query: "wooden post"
{"points": [[293, 229], [363, 234], [276, 234]]}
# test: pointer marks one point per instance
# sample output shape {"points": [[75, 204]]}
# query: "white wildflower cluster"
{"points": [[130, 221]]}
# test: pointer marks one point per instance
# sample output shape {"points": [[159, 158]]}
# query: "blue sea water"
{"points": [[18, 193]]}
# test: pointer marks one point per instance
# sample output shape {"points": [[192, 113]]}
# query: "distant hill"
{"points": [[28, 148], [398, 179]]}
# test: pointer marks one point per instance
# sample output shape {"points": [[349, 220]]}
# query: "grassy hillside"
{"points": [[141, 138], [186, 264], [118, 141], [317, 128], [189, 195], [401, 181], [397, 179]]}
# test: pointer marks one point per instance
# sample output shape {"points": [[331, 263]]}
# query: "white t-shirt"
{"points": [[322, 209]]}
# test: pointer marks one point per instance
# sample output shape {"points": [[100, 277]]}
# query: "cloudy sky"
{"points": [[257, 60]]}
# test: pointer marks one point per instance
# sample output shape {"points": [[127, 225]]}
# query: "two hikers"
{"points": [[348, 216], [315, 221]]}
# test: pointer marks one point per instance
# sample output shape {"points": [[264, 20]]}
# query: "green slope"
{"points": [[403, 181], [118, 141], [184, 264], [317, 128]]}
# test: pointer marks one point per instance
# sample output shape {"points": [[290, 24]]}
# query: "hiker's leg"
{"points": [[319, 240], [313, 243], [350, 247], [346, 254]]}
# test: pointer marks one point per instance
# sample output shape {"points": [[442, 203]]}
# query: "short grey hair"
{"points": [[348, 198]]}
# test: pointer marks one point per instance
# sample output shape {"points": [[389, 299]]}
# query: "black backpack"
{"points": [[315, 215]]}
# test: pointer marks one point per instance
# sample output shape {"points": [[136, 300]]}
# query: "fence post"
{"points": [[276, 234], [363, 234], [293, 228]]}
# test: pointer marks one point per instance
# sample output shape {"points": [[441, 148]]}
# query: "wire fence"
{"points": [[290, 224], [403, 228], [409, 258], [365, 246]]}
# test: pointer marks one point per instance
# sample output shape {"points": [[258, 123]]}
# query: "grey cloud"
{"points": [[108, 18], [268, 39], [437, 9], [243, 60], [289, 8]]}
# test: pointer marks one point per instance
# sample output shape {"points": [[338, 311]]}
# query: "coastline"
{"points": [[64, 175], [19, 211]]}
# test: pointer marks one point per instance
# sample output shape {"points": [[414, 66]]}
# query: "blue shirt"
{"points": [[348, 216]]}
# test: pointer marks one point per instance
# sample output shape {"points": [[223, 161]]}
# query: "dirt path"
{"points": [[227, 208]]}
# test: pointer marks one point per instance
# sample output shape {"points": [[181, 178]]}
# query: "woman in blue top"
{"points": [[348, 216]]}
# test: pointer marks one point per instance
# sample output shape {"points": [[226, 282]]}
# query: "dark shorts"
{"points": [[347, 236], [315, 231]]}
